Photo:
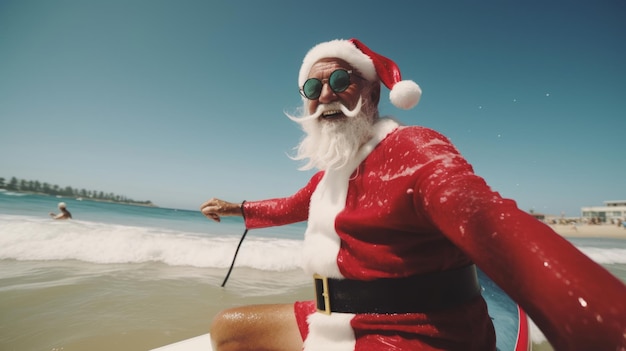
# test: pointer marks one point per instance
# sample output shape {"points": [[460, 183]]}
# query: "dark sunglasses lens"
{"points": [[339, 80], [312, 88]]}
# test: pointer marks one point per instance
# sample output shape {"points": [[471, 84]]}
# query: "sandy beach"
{"points": [[590, 231]]}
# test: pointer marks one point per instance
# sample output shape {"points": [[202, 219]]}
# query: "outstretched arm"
{"points": [[576, 303], [265, 213]]}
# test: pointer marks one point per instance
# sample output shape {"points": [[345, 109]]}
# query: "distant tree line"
{"points": [[35, 186]]}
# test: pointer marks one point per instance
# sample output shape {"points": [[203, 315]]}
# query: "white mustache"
{"points": [[330, 107]]}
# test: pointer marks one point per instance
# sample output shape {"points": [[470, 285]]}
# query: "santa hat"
{"points": [[404, 94]]}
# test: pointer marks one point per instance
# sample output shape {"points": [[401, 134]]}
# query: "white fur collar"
{"points": [[321, 243]]}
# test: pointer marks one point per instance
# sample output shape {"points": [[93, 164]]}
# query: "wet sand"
{"points": [[590, 231]]}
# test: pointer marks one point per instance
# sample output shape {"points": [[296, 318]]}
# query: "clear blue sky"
{"points": [[179, 101]]}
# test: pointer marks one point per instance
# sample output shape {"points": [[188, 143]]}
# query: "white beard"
{"points": [[331, 144]]}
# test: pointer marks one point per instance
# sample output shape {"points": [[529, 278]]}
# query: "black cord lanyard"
{"points": [[234, 257], [232, 264]]}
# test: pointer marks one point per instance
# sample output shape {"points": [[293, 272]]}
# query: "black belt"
{"points": [[414, 294]]}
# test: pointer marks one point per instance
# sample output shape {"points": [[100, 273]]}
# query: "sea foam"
{"points": [[29, 238], [34, 238]]}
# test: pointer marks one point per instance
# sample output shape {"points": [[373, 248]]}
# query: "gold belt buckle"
{"points": [[325, 293]]}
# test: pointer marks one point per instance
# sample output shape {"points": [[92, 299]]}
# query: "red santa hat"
{"points": [[404, 94]]}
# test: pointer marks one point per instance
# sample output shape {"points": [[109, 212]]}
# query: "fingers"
{"points": [[212, 215], [215, 217], [212, 209]]}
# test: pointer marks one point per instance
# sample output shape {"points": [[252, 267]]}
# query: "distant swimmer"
{"points": [[65, 214]]}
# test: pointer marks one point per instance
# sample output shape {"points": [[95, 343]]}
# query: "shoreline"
{"points": [[611, 231], [80, 198]]}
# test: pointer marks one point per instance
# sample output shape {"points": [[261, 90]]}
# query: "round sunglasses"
{"points": [[338, 81]]}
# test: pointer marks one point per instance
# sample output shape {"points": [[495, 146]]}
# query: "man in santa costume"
{"points": [[397, 219]]}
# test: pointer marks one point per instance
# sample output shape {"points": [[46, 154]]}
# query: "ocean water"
{"points": [[133, 278]]}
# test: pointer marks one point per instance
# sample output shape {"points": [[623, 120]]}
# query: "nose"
{"points": [[327, 95]]}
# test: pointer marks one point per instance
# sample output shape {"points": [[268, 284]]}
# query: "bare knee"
{"points": [[265, 327], [225, 329]]}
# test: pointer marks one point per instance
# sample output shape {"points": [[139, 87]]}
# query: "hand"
{"points": [[215, 208]]}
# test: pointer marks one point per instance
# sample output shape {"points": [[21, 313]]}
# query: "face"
{"points": [[336, 124], [349, 97]]}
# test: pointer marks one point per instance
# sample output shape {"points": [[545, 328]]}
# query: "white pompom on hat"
{"points": [[404, 94]]}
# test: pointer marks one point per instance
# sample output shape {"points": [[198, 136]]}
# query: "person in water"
{"points": [[397, 221], [64, 214]]}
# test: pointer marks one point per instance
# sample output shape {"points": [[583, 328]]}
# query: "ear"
{"points": [[375, 93]]}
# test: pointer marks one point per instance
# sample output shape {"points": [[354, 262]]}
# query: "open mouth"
{"points": [[332, 114]]}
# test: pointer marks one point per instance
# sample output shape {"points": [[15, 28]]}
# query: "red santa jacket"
{"points": [[410, 204]]}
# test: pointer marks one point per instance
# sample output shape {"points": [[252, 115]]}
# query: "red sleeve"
{"points": [[281, 211], [576, 303]]}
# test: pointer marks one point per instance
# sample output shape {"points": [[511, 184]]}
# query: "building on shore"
{"points": [[612, 212]]}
